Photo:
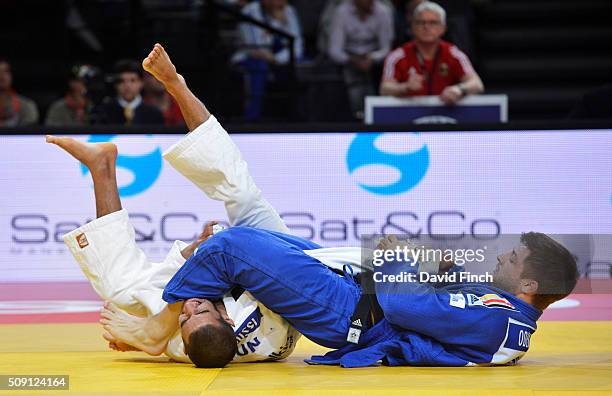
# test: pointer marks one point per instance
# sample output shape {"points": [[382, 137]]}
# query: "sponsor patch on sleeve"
{"points": [[82, 240], [457, 300], [492, 300]]}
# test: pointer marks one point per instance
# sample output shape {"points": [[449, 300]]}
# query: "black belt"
{"points": [[367, 312]]}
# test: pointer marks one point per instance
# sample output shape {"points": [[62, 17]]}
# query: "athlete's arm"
{"points": [[207, 233], [421, 307]]}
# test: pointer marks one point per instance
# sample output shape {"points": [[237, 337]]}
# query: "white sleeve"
{"points": [[208, 158]]}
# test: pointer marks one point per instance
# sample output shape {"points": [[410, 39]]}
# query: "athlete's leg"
{"points": [[208, 157], [105, 248], [100, 159], [159, 65]]}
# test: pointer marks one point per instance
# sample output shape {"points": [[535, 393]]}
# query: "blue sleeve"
{"points": [[199, 278], [455, 269], [436, 313]]}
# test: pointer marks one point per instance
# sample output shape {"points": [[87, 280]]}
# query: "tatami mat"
{"points": [[565, 358]]}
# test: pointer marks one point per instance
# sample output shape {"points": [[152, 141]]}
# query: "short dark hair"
{"points": [[127, 66], [551, 265], [212, 345]]}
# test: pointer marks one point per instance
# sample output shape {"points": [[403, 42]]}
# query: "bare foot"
{"points": [[92, 155], [117, 345], [158, 63], [131, 330]]}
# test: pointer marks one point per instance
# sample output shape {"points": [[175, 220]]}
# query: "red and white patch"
{"points": [[82, 241]]}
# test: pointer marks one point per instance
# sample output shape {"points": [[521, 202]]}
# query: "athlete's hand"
{"points": [[206, 233], [387, 243], [391, 243], [445, 265]]}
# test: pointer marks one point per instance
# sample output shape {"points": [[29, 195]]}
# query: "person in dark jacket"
{"points": [[127, 107]]}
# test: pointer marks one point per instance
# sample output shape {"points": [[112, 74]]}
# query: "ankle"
{"points": [[174, 84], [102, 169]]}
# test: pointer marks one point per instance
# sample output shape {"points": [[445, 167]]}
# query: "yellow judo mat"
{"points": [[565, 358]]}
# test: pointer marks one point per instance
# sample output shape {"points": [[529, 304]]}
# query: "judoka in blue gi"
{"points": [[455, 325]]}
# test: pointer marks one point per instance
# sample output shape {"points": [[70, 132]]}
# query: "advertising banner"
{"points": [[328, 187]]}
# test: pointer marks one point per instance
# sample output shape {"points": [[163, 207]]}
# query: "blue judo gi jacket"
{"points": [[454, 325]]}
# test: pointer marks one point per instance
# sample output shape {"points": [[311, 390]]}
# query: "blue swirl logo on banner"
{"points": [[411, 166], [145, 168]]}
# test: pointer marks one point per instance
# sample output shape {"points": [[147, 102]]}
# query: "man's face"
{"points": [[198, 312], [365, 6], [77, 87], [427, 27], [508, 273], [129, 86], [6, 77]]}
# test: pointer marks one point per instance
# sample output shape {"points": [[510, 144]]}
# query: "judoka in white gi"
{"points": [[120, 272]]}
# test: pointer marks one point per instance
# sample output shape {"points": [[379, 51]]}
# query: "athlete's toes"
{"points": [[109, 337]]}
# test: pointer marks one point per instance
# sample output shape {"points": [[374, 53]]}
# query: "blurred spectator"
{"points": [[127, 108], [265, 55], [73, 109], [14, 109], [404, 12], [429, 65], [326, 19], [360, 38], [595, 104], [154, 93]]}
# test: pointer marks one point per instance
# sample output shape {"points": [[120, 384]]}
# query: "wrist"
{"points": [[462, 90], [188, 250]]}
